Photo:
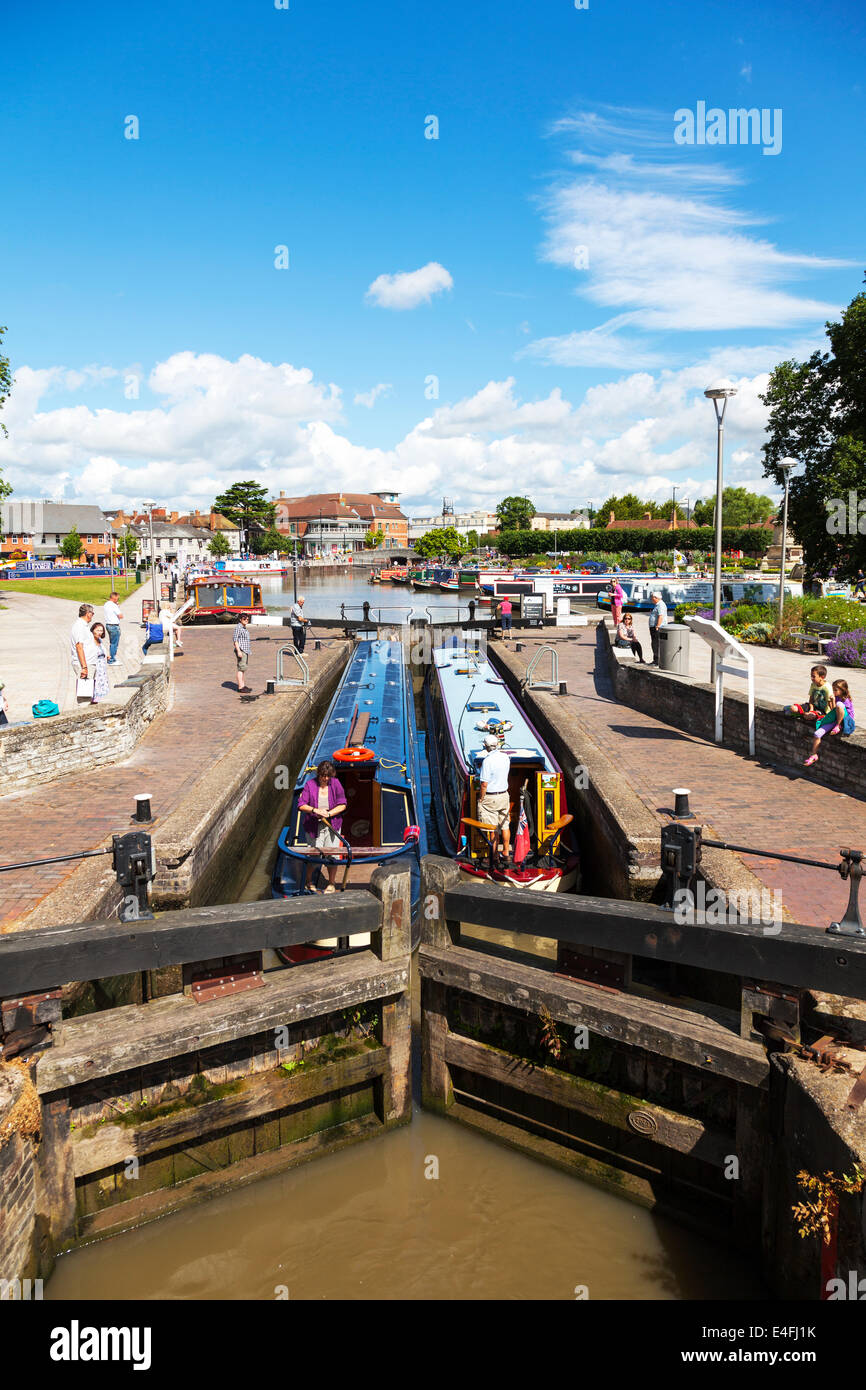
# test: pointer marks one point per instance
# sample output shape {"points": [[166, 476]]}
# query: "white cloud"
{"points": [[369, 398], [409, 288]]}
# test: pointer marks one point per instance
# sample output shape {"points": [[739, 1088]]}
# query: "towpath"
{"points": [[745, 801], [79, 812]]}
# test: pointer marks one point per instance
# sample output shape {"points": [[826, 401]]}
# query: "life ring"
{"points": [[354, 755]]}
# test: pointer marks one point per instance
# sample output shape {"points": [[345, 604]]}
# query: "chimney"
{"points": [[612, 519], [174, 517], [647, 516]]}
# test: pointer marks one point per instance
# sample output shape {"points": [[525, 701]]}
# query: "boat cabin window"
{"points": [[208, 595], [239, 596]]}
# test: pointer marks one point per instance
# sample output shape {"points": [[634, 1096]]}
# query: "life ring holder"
{"points": [[354, 755]]}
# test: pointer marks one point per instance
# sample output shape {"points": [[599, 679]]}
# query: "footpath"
{"points": [[206, 718], [745, 801]]}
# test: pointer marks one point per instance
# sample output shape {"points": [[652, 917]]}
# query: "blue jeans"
{"points": [[113, 630]]}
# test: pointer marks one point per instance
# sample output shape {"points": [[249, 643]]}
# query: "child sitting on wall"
{"points": [[840, 719], [819, 701]]}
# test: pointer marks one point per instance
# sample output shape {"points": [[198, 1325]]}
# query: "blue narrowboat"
{"points": [[466, 700], [370, 735]]}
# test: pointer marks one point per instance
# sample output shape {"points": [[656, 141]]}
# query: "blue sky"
{"points": [[152, 260]]}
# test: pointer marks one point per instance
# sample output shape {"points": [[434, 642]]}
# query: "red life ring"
{"points": [[353, 755]]}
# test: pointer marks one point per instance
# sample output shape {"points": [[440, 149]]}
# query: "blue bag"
{"points": [[154, 632], [848, 725], [43, 708]]}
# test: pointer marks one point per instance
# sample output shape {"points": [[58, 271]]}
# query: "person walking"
{"points": [[112, 614], [323, 801], [80, 640], [242, 648], [299, 624], [98, 663], [493, 803], [658, 620]]}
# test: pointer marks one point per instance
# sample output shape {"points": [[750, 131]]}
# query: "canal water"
{"points": [[325, 590], [372, 1222]]}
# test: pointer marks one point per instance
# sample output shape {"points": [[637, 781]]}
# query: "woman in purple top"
{"points": [[324, 802]]}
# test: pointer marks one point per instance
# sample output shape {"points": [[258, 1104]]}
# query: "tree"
{"points": [[219, 546], [514, 513], [629, 507], [739, 508], [472, 540], [818, 416], [444, 540], [71, 546], [127, 546], [372, 539], [247, 505], [264, 542]]}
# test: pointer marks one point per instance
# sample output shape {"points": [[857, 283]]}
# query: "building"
{"points": [[560, 521], [176, 537], [332, 523], [650, 523], [482, 522], [36, 530]]}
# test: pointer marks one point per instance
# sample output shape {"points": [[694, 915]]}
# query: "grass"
{"points": [[88, 589]]}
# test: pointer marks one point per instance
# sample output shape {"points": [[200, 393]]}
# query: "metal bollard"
{"points": [[681, 803], [142, 807]]}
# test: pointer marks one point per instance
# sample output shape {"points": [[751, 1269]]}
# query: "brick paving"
{"points": [[80, 811], [744, 801]]}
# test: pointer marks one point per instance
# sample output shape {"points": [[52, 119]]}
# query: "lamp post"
{"points": [[719, 395], [148, 507], [787, 466]]}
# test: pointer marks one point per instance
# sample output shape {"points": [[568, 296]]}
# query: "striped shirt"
{"points": [[242, 638]]}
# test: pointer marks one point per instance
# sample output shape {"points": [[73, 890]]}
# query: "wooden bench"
{"points": [[818, 635]]}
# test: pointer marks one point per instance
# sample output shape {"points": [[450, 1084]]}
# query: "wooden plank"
{"points": [[52, 956], [138, 1035], [796, 955], [672, 1032], [682, 1133], [260, 1095]]}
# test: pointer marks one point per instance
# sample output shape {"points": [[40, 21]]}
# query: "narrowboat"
{"points": [[638, 591], [465, 700], [370, 735], [241, 569], [225, 599], [449, 581]]}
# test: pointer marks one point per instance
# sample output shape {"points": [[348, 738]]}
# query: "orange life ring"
{"points": [[353, 755]]}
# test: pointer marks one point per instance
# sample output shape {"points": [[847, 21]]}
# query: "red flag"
{"points": [[521, 841]]}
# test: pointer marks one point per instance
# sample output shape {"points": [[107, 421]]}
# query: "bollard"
{"points": [[563, 688], [472, 610], [518, 646], [681, 803], [317, 646], [366, 610], [271, 687], [142, 807]]}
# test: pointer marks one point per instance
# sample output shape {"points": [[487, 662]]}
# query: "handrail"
{"points": [[553, 683], [297, 657]]}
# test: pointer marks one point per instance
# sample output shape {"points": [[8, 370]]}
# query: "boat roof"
{"points": [[474, 692], [375, 682]]}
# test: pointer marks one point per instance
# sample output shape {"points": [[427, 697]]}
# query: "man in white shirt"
{"points": [[298, 624], [112, 615], [79, 638], [493, 802], [658, 620]]}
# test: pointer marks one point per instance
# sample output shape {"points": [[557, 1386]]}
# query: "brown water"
{"points": [[324, 592], [366, 1223]]}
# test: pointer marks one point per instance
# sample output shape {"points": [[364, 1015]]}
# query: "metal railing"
{"points": [[283, 680], [529, 679]]}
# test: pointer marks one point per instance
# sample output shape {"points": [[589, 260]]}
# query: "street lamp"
{"points": [[148, 507], [719, 396], [787, 466]]}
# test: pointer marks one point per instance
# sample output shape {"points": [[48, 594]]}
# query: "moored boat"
{"points": [[465, 700], [370, 735], [215, 596], [638, 591]]}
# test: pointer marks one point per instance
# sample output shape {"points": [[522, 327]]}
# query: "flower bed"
{"points": [[848, 649]]}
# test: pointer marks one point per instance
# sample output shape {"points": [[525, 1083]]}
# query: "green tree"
{"points": [[818, 416], [247, 505], [71, 546], [739, 508], [472, 541], [265, 542], [127, 545], [629, 507], [514, 514], [372, 539], [219, 546], [5, 388], [444, 540]]}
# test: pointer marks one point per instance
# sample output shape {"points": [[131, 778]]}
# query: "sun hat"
{"points": [[491, 741]]}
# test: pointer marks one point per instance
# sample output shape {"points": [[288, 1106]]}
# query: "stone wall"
{"points": [[38, 752], [17, 1183], [691, 706]]}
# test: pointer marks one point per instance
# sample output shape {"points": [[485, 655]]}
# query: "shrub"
{"points": [[848, 649], [847, 613], [757, 632]]}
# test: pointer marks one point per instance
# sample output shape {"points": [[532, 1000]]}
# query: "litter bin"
{"points": [[674, 648], [138, 575]]}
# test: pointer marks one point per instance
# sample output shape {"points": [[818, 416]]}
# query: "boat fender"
{"points": [[354, 755]]}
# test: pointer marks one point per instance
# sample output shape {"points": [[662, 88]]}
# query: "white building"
{"points": [[463, 522]]}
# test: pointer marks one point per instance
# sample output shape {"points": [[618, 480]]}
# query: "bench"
{"points": [[817, 635]]}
